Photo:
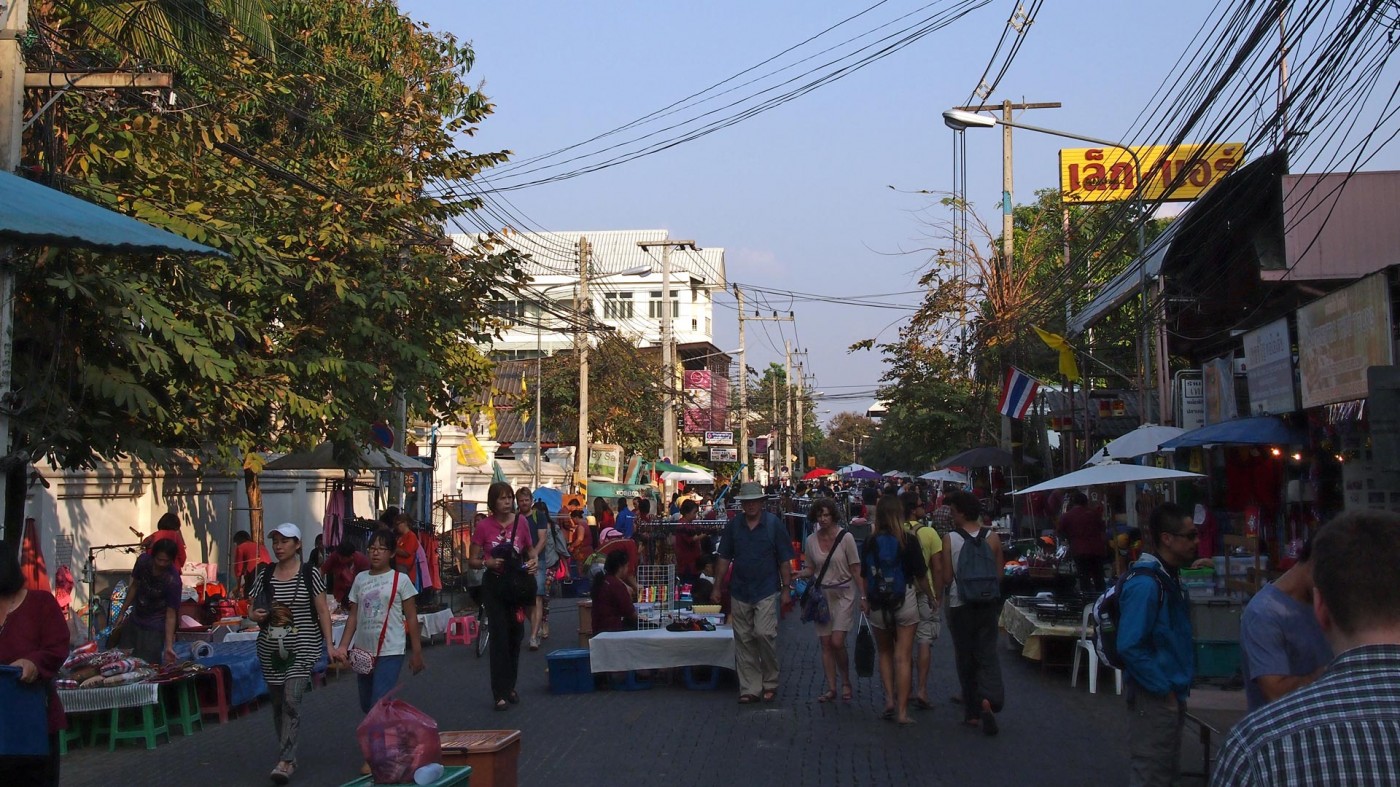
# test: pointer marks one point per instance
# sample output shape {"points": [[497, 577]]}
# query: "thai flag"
{"points": [[1018, 393]]}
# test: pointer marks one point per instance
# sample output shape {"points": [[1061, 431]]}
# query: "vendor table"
{"points": [[1027, 629], [621, 651], [240, 659], [132, 695]]}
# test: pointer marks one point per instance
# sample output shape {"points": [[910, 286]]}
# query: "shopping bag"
{"points": [[865, 650], [397, 739]]}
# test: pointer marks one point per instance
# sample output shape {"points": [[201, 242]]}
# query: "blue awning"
{"points": [[1254, 430], [35, 215]]}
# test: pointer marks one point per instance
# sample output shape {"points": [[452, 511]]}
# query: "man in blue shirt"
{"points": [[1154, 641], [1281, 644], [1341, 728], [756, 544], [626, 520]]}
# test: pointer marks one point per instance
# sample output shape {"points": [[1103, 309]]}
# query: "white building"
{"points": [[630, 303]]}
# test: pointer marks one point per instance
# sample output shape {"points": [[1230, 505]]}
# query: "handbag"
{"points": [[360, 659], [516, 586], [815, 608], [865, 650]]}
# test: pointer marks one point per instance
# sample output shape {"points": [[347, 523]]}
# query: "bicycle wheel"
{"points": [[483, 634]]}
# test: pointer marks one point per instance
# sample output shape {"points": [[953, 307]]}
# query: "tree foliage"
{"points": [[313, 172], [625, 401], [845, 433]]}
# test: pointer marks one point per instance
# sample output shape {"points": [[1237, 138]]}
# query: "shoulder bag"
{"points": [[815, 608], [360, 659], [517, 586]]}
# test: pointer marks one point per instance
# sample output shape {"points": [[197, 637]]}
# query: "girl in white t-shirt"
{"points": [[375, 595]]}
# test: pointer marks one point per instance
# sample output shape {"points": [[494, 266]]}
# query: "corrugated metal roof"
{"points": [[556, 253]]}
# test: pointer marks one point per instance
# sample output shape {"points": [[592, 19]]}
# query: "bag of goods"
{"points": [[397, 739]]}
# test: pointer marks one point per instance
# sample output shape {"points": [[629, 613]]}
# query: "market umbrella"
{"points": [[853, 467], [947, 476], [897, 474], [553, 499], [691, 474], [820, 472], [983, 456], [323, 457], [864, 475], [668, 467], [1109, 473], [1145, 439], [1254, 430]]}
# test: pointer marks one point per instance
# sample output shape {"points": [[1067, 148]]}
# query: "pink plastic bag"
{"points": [[397, 739]]}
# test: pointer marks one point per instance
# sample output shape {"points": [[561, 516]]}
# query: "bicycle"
{"points": [[483, 628]]}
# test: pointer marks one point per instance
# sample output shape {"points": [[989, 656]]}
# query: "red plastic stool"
{"points": [[463, 630]]}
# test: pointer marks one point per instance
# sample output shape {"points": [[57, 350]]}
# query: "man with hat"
{"points": [[756, 544]]}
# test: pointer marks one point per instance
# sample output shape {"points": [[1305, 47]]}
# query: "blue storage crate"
{"points": [[570, 671], [24, 725], [1217, 659]]}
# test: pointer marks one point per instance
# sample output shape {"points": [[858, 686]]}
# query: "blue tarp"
{"points": [[36, 215], [553, 499], [1254, 430]]}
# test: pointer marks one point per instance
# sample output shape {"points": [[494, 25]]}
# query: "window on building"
{"points": [[516, 312], [654, 306], [617, 305]]}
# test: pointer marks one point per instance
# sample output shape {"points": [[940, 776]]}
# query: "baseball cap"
{"points": [[287, 530]]}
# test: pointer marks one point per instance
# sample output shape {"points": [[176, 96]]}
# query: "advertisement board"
{"points": [[698, 401], [1268, 355], [605, 462], [1340, 336], [1108, 174], [724, 454], [1192, 407], [719, 438], [1218, 384]]}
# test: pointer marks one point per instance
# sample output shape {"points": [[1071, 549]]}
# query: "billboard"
{"points": [[1339, 337], [724, 454], [1108, 174], [719, 438], [706, 398], [1268, 356]]}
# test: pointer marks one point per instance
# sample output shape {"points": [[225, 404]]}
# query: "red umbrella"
{"points": [[818, 473]]}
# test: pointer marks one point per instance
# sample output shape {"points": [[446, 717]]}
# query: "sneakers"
{"points": [[534, 643], [283, 772]]}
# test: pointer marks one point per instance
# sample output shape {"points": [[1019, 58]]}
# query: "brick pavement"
{"points": [[1051, 734]]}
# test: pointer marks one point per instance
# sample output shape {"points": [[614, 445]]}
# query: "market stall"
{"points": [[622, 651]]}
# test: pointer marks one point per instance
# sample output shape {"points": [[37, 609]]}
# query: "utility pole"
{"points": [[668, 344], [774, 317], [14, 23], [746, 471], [787, 406], [585, 317], [801, 429]]}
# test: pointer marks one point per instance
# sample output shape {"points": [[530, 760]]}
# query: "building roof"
{"points": [[1339, 225], [556, 253]]}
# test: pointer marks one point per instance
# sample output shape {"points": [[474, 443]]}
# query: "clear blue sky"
{"points": [[799, 196]]}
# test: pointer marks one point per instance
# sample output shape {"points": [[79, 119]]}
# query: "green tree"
{"points": [[846, 432], [340, 292], [624, 395]]}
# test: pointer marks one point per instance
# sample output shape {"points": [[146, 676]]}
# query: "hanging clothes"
{"points": [[31, 560], [429, 543], [333, 523]]}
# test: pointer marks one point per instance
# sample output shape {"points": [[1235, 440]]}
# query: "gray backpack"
{"points": [[977, 573]]}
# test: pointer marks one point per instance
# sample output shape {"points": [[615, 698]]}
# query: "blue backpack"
{"points": [[885, 582]]}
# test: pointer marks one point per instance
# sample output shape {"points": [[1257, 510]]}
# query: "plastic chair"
{"points": [[1085, 644], [462, 629]]}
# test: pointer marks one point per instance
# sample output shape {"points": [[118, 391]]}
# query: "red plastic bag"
{"points": [[397, 739]]}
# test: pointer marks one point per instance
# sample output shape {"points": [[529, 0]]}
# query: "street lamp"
{"points": [[640, 270], [854, 442], [961, 120]]}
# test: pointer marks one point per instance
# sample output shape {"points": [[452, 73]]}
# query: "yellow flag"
{"points": [[1069, 368], [471, 453]]}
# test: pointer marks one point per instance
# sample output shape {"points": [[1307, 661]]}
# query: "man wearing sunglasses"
{"points": [[1154, 641]]}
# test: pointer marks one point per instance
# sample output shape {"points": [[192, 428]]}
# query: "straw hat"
{"points": [[750, 491]]}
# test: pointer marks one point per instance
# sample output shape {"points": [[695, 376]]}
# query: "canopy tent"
{"points": [[897, 474], [983, 456], [820, 472], [667, 467], [853, 467], [323, 457], [1253, 430], [1109, 473], [945, 476], [863, 475], [1145, 439]]}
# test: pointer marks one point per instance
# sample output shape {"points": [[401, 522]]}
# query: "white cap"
{"points": [[287, 530]]}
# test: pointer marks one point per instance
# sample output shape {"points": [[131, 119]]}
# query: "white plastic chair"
{"points": [[1086, 645]]}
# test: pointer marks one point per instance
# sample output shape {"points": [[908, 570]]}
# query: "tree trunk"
{"points": [[255, 505]]}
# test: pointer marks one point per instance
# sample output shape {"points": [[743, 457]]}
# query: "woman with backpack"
{"points": [[832, 561], [289, 603], [893, 564], [501, 544]]}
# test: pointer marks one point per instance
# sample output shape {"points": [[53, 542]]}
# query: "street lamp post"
{"points": [[959, 120]]}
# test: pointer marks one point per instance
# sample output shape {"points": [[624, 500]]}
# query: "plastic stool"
{"points": [[463, 630], [187, 713], [152, 724], [630, 682], [214, 698], [77, 729], [708, 684]]}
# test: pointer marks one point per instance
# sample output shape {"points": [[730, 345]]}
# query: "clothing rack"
{"points": [[654, 539]]}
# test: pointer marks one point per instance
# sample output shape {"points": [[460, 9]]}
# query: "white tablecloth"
{"points": [[434, 623], [132, 695], [616, 651]]}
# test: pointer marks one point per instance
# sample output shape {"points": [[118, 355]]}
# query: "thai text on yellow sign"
{"points": [[1108, 174]]}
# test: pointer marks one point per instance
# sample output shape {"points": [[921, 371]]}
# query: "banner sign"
{"points": [[1191, 408], [1219, 386], [1268, 356], [1340, 336], [719, 438], [1108, 174], [724, 454]]}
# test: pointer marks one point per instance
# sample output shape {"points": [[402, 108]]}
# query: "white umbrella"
{"points": [[694, 474], [1143, 440], [947, 476], [851, 468], [1109, 473], [897, 474]]}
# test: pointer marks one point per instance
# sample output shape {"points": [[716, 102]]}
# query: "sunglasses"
{"points": [[1191, 535]]}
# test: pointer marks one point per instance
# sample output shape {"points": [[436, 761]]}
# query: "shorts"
{"points": [[927, 629], [906, 615]]}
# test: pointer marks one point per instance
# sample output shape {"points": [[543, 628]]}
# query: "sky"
{"points": [[813, 196]]}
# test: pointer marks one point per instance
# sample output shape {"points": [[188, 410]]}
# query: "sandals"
{"points": [[501, 705], [769, 695], [888, 715], [847, 693], [747, 699], [827, 696], [907, 722]]}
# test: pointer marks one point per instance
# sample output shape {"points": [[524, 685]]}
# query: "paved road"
{"points": [[1051, 734]]}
